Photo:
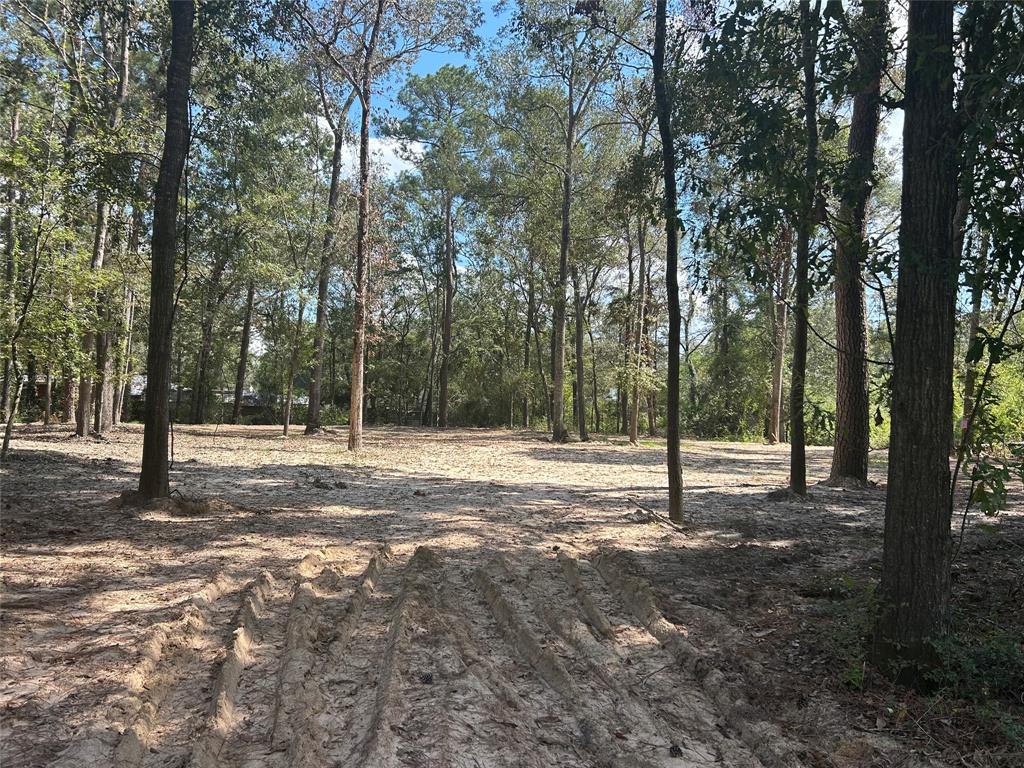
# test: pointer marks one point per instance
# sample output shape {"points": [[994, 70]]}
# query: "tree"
{"points": [[914, 591], [572, 53], [153, 480], [364, 42], [853, 425], [663, 108], [443, 116], [338, 124]]}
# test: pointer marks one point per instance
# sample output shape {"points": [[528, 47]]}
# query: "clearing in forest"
{"points": [[463, 598]]}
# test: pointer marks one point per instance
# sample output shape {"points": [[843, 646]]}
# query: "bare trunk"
{"points": [[853, 424], [559, 431], [48, 398], [355, 412], [324, 277], [153, 480], [10, 267], [638, 334], [915, 585], [798, 440], [663, 105], [579, 398], [526, 344], [293, 366], [446, 316], [593, 379]]}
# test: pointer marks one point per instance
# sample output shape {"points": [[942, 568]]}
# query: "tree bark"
{"points": [[559, 432], [797, 449], [10, 268], [914, 590], [853, 418], [593, 379], [446, 315], [663, 106], [48, 398], [355, 415], [530, 298], [153, 480]]}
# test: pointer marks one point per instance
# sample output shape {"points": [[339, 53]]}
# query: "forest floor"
{"points": [[463, 598]]}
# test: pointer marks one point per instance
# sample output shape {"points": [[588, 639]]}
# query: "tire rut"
{"points": [[422, 661]]}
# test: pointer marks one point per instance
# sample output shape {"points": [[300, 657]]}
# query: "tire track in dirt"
{"points": [[207, 750], [164, 652], [762, 737], [524, 660]]}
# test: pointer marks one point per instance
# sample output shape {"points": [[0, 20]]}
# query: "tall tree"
{"points": [[153, 480], [663, 108], [364, 42], [338, 123], [853, 425], [914, 591], [805, 227]]}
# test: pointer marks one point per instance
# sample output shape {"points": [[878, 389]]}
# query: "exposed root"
{"points": [[763, 738], [222, 711]]}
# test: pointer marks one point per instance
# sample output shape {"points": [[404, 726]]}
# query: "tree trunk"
{"points": [[853, 418], [200, 392], [559, 432], [324, 276], [593, 379], [626, 337], [914, 590], [153, 480], [663, 106], [48, 398], [580, 397], [12, 414], [446, 316], [10, 267], [243, 353], [780, 314], [797, 448], [355, 411], [540, 373]]}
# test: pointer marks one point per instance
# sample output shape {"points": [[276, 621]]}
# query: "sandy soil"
{"points": [[470, 598]]}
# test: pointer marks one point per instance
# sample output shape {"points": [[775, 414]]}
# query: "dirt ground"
{"points": [[463, 598]]}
